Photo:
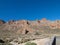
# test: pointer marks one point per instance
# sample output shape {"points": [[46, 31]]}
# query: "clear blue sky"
{"points": [[29, 9]]}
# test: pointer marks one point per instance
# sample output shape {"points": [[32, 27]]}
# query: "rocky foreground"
{"points": [[43, 41]]}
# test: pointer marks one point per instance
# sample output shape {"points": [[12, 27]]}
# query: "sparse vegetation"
{"points": [[30, 43]]}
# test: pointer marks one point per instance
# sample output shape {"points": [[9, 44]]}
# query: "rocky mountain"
{"points": [[12, 29], [26, 26]]}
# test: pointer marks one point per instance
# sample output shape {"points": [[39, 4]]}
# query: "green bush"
{"points": [[29, 43], [33, 44]]}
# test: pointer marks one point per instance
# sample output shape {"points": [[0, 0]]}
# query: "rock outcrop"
{"points": [[2, 22], [11, 21], [25, 27]]}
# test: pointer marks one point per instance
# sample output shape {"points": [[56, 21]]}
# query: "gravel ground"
{"points": [[45, 41]]}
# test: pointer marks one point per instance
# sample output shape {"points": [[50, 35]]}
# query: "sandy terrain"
{"points": [[45, 41]]}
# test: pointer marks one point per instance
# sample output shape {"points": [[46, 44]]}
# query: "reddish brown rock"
{"points": [[25, 27], [44, 20], [38, 21], [2, 22]]}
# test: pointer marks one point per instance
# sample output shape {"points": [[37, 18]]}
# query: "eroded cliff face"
{"points": [[26, 26]]}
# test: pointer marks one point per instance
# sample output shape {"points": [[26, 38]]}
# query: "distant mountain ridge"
{"points": [[26, 26]]}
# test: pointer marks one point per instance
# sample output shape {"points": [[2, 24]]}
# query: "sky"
{"points": [[29, 9]]}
